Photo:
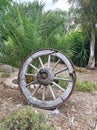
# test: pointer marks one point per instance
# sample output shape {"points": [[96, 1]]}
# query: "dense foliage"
{"points": [[25, 119], [79, 44], [26, 28], [85, 15]]}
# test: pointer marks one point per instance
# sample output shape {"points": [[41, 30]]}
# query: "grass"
{"points": [[80, 70], [85, 86], [25, 119], [4, 75]]}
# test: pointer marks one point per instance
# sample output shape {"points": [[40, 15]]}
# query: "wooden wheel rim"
{"points": [[56, 101]]}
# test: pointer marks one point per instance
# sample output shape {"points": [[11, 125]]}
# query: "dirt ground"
{"points": [[79, 112]]}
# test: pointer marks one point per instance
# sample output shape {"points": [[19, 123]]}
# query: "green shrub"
{"points": [[85, 86], [79, 44], [27, 28], [5, 75], [25, 119], [63, 84]]}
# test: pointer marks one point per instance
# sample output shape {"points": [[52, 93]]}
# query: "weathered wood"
{"points": [[47, 78]]}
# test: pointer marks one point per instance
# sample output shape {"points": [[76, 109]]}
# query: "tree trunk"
{"points": [[91, 62]]}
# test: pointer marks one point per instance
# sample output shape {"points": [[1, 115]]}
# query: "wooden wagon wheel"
{"points": [[47, 78]]}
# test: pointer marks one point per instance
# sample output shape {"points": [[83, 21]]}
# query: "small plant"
{"points": [[25, 119], [5, 75], [80, 70], [63, 84], [85, 86]]}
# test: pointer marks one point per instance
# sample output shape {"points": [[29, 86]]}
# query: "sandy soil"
{"points": [[79, 112]]}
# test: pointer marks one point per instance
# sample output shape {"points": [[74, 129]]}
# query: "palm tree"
{"points": [[86, 13], [27, 28]]}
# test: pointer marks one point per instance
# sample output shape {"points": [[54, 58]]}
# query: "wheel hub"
{"points": [[45, 77]]}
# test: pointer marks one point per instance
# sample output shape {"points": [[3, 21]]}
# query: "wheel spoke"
{"points": [[55, 64], [44, 93], [59, 86], [35, 90], [58, 78], [52, 92], [34, 67], [61, 71], [47, 78], [28, 74], [40, 61], [49, 59], [33, 82]]}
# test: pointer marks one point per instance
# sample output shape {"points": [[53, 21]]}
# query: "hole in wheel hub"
{"points": [[45, 77]]}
